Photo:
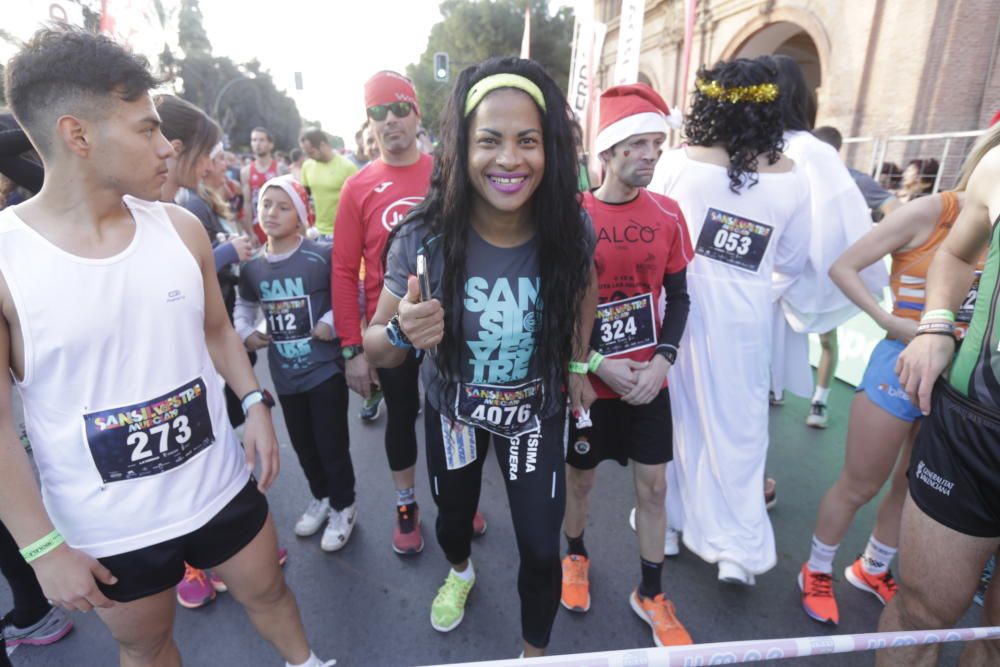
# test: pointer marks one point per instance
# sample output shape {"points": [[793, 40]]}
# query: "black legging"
{"points": [[30, 604], [402, 404], [537, 502], [317, 425]]}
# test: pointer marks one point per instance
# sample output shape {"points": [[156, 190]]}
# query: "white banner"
{"points": [[588, 41], [629, 41]]}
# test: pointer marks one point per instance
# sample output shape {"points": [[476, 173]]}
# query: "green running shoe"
{"points": [[448, 608]]}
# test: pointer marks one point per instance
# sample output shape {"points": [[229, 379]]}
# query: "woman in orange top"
{"points": [[883, 421]]}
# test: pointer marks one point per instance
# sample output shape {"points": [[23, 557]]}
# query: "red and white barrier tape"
{"points": [[732, 653]]}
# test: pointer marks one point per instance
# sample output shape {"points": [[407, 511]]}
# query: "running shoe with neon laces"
{"points": [[575, 583], [478, 524], [448, 608], [882, 586], [338, 528], [372, 407], [817, 596], [52, 627], [659, 614], [313, 518], [195, 590], [406, 537]]}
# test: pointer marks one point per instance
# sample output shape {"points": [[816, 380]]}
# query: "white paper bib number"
{"points": [[733, 240], [288, 319], [151, 437], [624, 325], [507, 410], [964, 313]]}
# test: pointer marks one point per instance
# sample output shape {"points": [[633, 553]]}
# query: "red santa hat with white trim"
{"points": [[633, 108]]}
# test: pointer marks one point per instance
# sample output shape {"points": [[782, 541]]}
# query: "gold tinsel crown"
{"points": [[762, 92]]}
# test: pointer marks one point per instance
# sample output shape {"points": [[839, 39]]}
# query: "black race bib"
{"points": [[507, 410], [733, 240], [288, 319], [964, 313], [624, 325], [151, 437]]}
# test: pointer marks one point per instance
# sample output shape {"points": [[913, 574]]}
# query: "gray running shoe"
{"points": [[817, 416], [54, 626], [372, 407]]}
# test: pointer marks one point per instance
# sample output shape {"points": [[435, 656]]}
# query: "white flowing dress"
{"points": [[718, 389], [812, 303]]}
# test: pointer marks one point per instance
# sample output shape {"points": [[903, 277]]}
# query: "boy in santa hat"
{"points": [[642, 251], [290, 282]]}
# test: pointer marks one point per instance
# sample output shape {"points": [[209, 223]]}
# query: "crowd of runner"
{"points": [[561, 325]]}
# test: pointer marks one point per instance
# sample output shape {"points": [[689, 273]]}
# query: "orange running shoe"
{"points": [[882, 586], [575, 584], [660, 615], [817, 596]]}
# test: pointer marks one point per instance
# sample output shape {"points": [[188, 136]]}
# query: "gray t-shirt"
{"points": [[875, 195], [294, 294], [500, 316]]}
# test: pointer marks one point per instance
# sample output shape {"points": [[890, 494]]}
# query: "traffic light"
{"points": [[441, 68]]}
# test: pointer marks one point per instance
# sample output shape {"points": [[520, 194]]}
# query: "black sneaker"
{"points": [[817, 416]]}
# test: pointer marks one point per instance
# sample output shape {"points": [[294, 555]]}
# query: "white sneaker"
{"points": [[338, 528], [734, 573], [313, 518], [671, 540]]}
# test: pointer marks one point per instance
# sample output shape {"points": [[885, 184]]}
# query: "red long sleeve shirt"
{"points": [[372, 202]]}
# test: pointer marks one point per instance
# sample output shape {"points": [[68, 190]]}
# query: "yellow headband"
{"points": [[762, 92], [483, 87]]}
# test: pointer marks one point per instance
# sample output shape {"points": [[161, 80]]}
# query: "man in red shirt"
{"points": [[642, 251], [253, 176], [372, 203]]}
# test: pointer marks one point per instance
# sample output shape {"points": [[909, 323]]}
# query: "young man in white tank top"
{"points": [[117, 346]]}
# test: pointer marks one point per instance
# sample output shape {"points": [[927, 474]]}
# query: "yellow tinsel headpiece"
{"points": [[761, 93]]}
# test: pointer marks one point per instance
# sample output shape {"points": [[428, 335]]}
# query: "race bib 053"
{"points": [[150, 437], [733, 240]]}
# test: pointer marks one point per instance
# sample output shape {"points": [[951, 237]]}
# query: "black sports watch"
{"points": [[254, 397], [668, 352], [395, 334], [351, 351]]}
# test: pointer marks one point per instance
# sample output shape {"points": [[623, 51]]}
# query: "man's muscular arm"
{"points": [[67, 576], [949, 277], [227, 351]]}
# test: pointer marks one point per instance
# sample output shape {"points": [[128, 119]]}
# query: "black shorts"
{"points": [[159, 567], [954, 475], [643, 433]]}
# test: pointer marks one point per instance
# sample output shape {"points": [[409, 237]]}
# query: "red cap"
{"points": [[387, 87], [630, 109]]}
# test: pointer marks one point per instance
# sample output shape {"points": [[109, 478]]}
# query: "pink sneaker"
{"points": [[406, 536], [282, 556], [478, 524], [195, 590]]}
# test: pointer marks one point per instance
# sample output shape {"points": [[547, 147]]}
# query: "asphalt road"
{"points": [[367, 606]]}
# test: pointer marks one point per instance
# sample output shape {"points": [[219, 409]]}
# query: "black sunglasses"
{"points": [[398, 109]]}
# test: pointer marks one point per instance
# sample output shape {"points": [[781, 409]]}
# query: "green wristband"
{"points": [[43, 546], [578, 367], [596, 359], [938, 314]]}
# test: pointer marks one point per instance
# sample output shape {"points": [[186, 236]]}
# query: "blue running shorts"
{"points": [[881, 384]]}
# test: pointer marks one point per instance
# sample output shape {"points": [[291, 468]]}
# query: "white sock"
{"points": [[877, 557], [468, 575], [312, 661], [821, 394], [821, 556]]}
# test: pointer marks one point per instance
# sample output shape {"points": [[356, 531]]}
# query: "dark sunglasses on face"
{"points": [[398, 109]]}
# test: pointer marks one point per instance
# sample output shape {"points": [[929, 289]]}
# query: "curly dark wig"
{"points": [[564, 252], [746, 130]]}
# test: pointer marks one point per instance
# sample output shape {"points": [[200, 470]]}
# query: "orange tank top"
{"points": [[908, 277]]}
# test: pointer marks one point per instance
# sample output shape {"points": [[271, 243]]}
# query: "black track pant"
{"points": [[534, 472], [317, 425], [402, 404], [30, 604]]}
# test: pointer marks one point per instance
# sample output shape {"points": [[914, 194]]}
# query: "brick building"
{"points": [[880, 67]]}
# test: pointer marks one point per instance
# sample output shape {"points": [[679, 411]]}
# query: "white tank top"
{"points": [[124, 409]]}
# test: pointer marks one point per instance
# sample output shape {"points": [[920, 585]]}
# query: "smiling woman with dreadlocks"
{"points": [[505, 318], [746, 206]]}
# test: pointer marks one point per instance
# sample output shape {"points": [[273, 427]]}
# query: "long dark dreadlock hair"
{"points": [[745, 129], [565, 255]]}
